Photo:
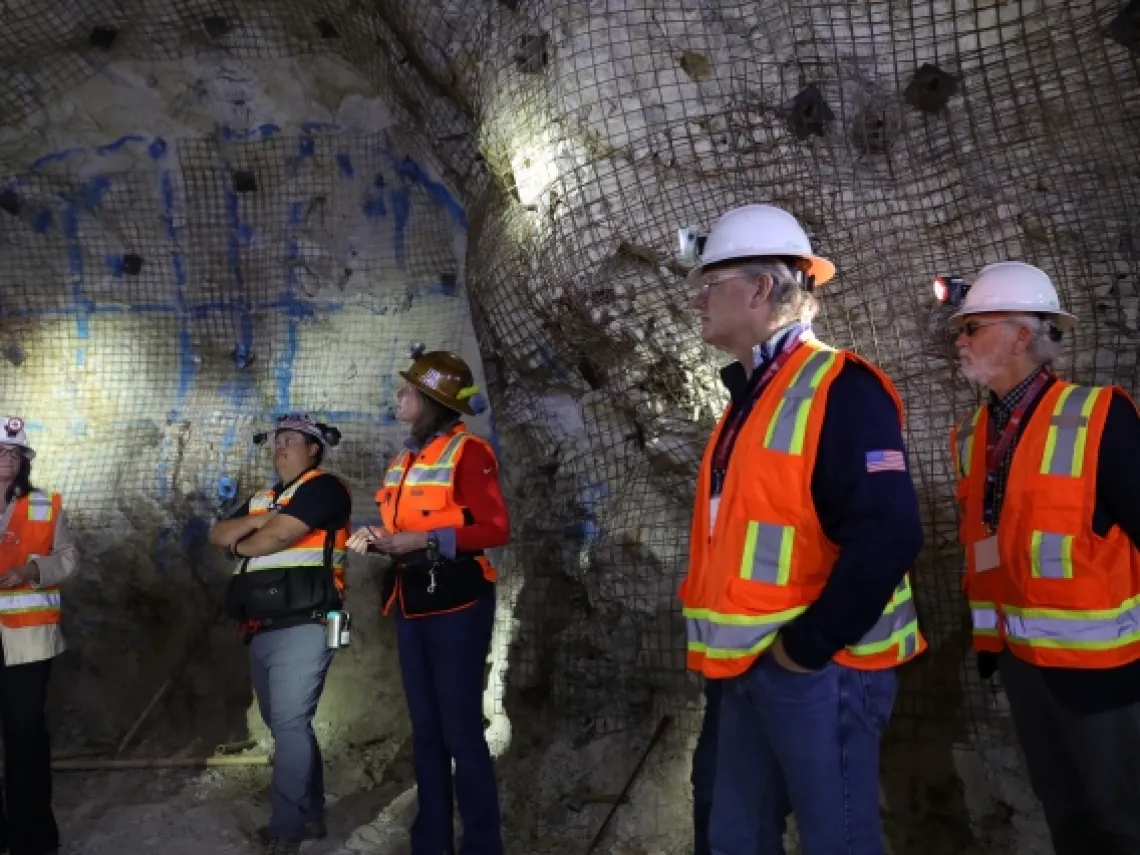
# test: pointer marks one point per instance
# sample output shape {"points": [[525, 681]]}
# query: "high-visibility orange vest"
{"points": [[421, 497], [767, 558], [31, 533], [309, 551], [1060, 595]]}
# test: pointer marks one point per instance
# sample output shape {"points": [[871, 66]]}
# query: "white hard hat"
{"points": [[758, 231], [14, 434], [1013, 286]]}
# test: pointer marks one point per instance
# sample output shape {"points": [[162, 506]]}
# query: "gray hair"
{"points": [[790, 302], [1042, 348]]}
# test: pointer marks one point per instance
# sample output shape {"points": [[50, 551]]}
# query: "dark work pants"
{"points": [[704, 768], [288, 668], [1084, 767], [442, 660], [27, 823]]}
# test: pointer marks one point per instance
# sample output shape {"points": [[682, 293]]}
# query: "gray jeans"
{"points": [[1084, 767], [288, 668]]}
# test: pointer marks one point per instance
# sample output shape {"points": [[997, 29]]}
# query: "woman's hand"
{"points": [[366, 536], [402, 542]]}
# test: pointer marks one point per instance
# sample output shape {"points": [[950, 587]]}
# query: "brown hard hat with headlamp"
{"points": [[445, 378]]}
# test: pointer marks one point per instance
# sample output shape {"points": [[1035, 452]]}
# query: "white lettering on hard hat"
{"points": [[431, 378]]}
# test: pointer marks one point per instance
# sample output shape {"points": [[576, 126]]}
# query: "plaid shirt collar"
{"points": [[1002, 408]]}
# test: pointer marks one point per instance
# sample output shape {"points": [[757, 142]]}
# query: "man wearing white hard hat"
{"points": [[289, 544], [1049, 519], [798, 601], [37, 554]]}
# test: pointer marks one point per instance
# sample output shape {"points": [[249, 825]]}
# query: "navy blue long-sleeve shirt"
{"points": [[872, 517]]}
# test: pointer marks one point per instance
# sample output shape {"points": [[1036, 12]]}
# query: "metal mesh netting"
{"points": [[912, 139]]}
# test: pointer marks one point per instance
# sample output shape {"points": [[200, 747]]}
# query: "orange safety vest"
{"points": [[308, 551], [766, 557], [31, 533], [422, 497], [1059, 594]]}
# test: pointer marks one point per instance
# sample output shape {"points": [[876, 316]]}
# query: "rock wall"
{"points": [[190, 247], [912, 137]]}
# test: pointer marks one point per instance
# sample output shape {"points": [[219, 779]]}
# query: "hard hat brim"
{"points": [[1063, 320], [459, 406], [28, 451], [819, 268]]}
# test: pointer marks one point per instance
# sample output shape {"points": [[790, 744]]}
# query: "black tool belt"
{"points": [[428, 587]]}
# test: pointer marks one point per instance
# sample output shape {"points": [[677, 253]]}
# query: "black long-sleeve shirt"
{"points": [[872, 516], [1117, 504]]}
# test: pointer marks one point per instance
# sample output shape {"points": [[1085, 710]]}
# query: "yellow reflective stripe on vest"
{"points": [[396, 471], [897, 625], [1068, 431], [26, 602], [965, 444], [1051, 555], [314, 557], [984, 617], [720, 636], [789, 423], [39, 507], [767, 553], [1102, 629], [438, 474]]}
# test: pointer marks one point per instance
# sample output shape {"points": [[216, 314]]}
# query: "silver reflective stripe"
{"points": [[441, 471], [965, 450], [787, 416], [293, 558], [1067, 423], [893, 620], [28, 601], [262, 501], [985, 619], [909, 644], [392, 479], [39, 507], [736, 639], [1115, 629], [772, 556], [1050, 560]]}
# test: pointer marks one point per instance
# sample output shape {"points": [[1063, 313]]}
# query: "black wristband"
{"points": [[232, 551]]}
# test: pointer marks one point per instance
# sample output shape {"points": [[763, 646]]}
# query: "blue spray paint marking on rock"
{"points": [[54, 157], [110, 148], [401, 211]]}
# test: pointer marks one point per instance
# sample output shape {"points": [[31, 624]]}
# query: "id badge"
{"points": [[986, 555]]}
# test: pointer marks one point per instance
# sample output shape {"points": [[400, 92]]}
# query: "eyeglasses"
{"points": [[287, 440], [970, 328], [14, 453], [708, 284]]}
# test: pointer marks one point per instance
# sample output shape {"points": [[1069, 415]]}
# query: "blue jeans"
{"points": [[443, 658], [807, 743], [704, 767], [288, 667]]}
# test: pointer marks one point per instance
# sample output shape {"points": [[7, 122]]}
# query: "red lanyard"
{"points": [[996, 451], [737, 419]]}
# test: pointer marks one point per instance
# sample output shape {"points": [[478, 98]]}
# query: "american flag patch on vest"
{"points": [[886, 461]]}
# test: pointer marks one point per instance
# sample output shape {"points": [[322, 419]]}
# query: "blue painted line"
{"points": [[294, 309], [119, 143], [61, 155], [238, 229], [440, 195], [344, 163], [75, 269], [401, 210], [263, 132], [320, 127]]}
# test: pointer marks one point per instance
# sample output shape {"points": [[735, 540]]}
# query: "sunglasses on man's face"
{"points": [[970, 328]]}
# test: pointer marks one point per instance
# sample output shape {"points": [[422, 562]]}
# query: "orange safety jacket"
{"points": [[308, 551], [1057, 593], [31, 533], [421, 497], [765, 557]]}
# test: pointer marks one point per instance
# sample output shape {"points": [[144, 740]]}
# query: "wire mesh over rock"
{"points": [[911, 138]]}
